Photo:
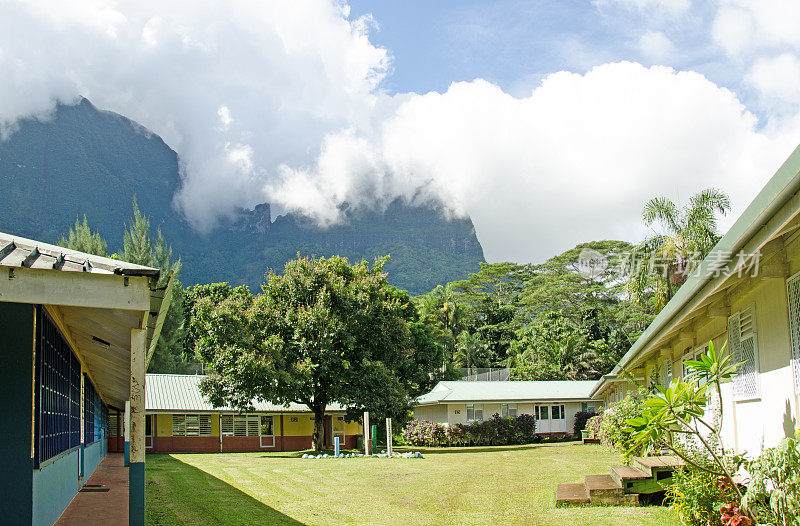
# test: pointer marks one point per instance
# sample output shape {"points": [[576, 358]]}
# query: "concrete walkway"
{"points": [[104, 497]]}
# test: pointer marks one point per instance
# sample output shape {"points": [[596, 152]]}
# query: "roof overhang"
{"points": [[773, 212], [96, 313]]}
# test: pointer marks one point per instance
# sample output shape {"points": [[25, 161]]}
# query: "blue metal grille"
{"points": [[58, 392], [89, 401]]}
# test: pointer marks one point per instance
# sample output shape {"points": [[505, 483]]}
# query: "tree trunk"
{"points": [[318, 438]]}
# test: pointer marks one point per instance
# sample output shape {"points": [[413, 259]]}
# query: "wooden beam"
{"points": [[77, 289], [162, 314]]}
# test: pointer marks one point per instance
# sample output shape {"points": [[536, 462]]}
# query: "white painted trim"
{"points": [[75, 289]]}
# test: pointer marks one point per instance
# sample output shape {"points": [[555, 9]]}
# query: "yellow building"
{"points": [[178, 418]]}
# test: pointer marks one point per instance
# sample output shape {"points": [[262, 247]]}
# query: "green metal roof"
{"points": [[775, 194], [181, 392], [466, 391]]}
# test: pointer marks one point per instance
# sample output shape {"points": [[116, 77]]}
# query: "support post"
{"points": [[126, 434], [389, 437], [336, 447], [137, 429], [367, 439]]}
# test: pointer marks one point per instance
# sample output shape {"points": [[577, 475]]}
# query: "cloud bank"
{"points": [[283, 102]]}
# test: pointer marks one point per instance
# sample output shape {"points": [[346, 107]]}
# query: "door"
{"points": [[542, 414], [148, 431], [558, 420], [267, 431], [338, 429]]}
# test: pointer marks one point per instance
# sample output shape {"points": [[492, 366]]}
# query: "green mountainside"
{"points": [[87, 161]]}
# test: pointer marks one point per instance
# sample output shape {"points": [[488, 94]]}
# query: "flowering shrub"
{"points": [[593, 425], [614, 430], [732, 515], [496, 431]]}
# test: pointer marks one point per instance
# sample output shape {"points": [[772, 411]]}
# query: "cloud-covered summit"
{"points": [[283, 102]]}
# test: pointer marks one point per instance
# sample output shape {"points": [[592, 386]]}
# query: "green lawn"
{"points": [[493, 485]]}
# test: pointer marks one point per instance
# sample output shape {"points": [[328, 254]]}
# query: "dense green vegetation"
{"points": [[486, 485], [323, 332], [86, 163]]}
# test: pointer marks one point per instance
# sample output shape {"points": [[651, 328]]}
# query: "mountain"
{"points": [[87, 161]]}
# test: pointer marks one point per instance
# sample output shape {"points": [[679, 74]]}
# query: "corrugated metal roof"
{"points": [[18, 251], [181, 392], [461, 391]]}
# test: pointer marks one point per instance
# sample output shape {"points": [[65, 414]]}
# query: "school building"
{"points": [[178, 418], [553, 404], [76, 334], [746, 293]]}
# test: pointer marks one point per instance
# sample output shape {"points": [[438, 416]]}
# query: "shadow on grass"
{"points": [[179, 493]]}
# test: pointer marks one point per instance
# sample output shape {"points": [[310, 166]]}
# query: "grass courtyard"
{"points": [[492, 485]]}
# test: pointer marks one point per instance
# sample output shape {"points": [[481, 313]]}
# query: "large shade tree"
{"points": [[324, 332]]}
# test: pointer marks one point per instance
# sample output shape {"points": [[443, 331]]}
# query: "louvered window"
{"points": [[178, 425], [240, 425], [112, 425], [191, 425], [743, 345], [793, 295], [226, 425]]}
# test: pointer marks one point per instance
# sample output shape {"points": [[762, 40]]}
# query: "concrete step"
{"points": [[653, 465], [571, 495], [603, 489], [624, 475]]}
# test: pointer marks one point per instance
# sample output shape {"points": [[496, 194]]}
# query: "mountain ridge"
{"points": [[83, 160]]}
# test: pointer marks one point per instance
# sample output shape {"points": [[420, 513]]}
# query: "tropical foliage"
{"points": [[324, 332], [496, 431], [687, 234]]}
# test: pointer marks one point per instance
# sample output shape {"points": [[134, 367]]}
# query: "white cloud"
{"points": [[669, 8], [656, 46], [289, 72], [778, 80], [575, 160], [282, 102]]}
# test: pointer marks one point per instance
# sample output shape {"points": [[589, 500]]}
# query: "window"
{"points": [[743, 345], [474, 412], [793, 296], [508, 410], [558, 412], [587, 407], [58, 392], [240, 425], [266, 426], [191, 425], [112, 425], [541, 412]]}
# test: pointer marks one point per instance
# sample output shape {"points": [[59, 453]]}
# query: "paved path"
{"points": [[91, 506]]}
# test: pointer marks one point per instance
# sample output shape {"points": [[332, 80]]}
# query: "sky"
{"points": [[549, 123]]}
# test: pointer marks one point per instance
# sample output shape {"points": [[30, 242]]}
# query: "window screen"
{"points": [[793, 295], [58, 392], [743, 344]]}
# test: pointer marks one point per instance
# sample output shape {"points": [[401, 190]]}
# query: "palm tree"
{"points": [[688, 234], [469, 349]]}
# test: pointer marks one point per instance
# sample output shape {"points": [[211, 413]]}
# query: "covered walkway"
{"points": [[104, 497]]}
